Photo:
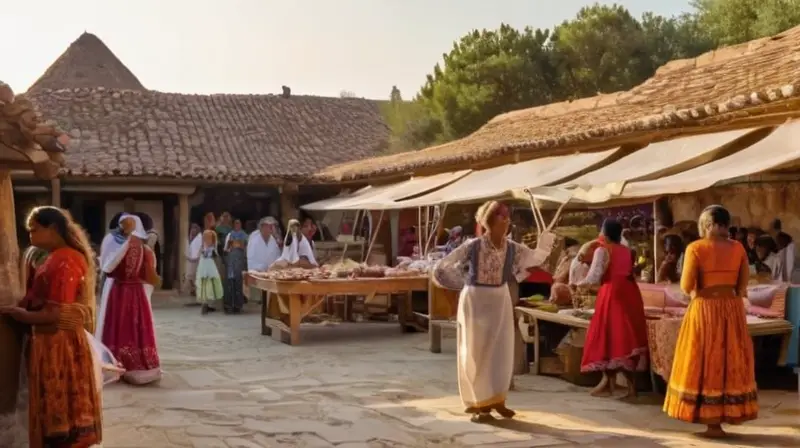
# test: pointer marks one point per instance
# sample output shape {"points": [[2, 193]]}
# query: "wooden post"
{"points": [[183, 238], [10, 342], [656, 245], [55, 192], [394, 234], [288, 194]]}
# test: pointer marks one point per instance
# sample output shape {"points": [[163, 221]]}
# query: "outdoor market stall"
{"points": [[288, 301]]}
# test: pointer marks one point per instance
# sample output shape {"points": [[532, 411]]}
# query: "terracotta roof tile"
{"points": [[211, 137], [752, 79]]}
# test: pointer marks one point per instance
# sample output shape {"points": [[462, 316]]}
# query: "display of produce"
{"points": [[344, 269]]}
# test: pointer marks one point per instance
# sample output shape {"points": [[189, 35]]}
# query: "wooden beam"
{"points": [[55, 192], [183, 238]]}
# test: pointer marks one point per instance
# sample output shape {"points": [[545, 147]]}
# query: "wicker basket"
{"points": [[584, 297]]}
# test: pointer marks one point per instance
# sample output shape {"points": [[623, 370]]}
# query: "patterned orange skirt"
{"points": [[65, 406], [713, 373]]}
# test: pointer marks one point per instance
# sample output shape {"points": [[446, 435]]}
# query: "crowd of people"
{"points": [[73, 349], [713, 375], [220, 251]]}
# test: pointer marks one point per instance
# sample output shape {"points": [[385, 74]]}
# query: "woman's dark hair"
{"points": [[114, 223], [776, 225], [732, 232], [674, 241], [766, 242], [570, 242], [612, 230]]}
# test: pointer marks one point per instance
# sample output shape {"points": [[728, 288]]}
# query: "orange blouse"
{"points": [[709, 263]]}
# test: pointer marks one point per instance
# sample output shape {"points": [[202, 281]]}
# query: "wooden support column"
{"points": [[55, 192], [10, 293], [289, 206], [183, 237], [394, 234]]}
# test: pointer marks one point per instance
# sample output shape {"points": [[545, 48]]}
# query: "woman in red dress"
{"points": [[617, 336], [126, 319]]}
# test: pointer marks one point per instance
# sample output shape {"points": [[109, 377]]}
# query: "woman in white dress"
{"points": [[485, 336], [192, 258], [297, 250]]}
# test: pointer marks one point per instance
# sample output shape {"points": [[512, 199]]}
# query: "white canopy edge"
{"points": [[384, 197], [330, 203], [776, 149], [679, 154], [503, 180]]}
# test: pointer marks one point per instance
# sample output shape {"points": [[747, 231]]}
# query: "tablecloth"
{"points": [[662, 336]]}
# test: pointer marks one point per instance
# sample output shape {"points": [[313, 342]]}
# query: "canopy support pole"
{"points": [[374, 236], [437, 226], [655, 240]]}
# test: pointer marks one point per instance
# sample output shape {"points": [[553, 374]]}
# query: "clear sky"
{"points": [[318, 47]]}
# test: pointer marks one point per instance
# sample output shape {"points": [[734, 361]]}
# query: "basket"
{"points": [[584, 297]]}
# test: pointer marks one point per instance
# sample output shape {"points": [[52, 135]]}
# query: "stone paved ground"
{"points": [[367, 385]]}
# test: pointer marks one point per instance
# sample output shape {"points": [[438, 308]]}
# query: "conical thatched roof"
{"points": [[87, 63]]}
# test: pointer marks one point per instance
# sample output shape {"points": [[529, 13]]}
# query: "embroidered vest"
{"points": [[508, 266]]}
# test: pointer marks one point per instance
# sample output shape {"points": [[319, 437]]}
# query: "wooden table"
{"points": [[286, 303], [526, 317], [530, 316]]}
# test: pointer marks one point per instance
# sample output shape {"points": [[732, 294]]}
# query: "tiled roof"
{"points": [[756, 79], [26, 141], [87, 62], [211, 137]]}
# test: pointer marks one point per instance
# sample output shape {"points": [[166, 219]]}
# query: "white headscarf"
{"points": [[138, 231], [111, 244], [299, 247]]}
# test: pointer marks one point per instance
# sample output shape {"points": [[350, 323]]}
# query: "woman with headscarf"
{"points": [[297, 250], [485, 335], [713, 373], [125, 322], [236, 264], [223, 228], [192, 257], [617, 335]]}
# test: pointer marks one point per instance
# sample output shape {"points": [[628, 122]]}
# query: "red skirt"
{"points": [[128, 331], [617, 334]]}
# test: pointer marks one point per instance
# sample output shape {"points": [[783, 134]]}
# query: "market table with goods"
{"points": [[294, 295], [664, 309]]}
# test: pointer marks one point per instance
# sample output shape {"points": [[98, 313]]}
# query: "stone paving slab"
{"points": [[367, 385]]}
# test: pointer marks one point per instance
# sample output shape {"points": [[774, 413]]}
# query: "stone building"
{"points": [[178, 156]]}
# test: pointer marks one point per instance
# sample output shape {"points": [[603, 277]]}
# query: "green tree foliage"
{"points": [[603, 49], [729, 22]]}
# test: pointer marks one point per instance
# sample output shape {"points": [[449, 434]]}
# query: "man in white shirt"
{"points": [[262, 247]]}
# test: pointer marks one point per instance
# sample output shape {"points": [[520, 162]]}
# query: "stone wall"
{"points": [[754, 204]]}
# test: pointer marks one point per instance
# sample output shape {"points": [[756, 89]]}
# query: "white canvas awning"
{"points": [[332, 203], [664, 158], [499, 181], [384, 197], [778, 148]]}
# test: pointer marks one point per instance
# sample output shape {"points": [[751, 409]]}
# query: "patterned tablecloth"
{"points": [[662, 336]]}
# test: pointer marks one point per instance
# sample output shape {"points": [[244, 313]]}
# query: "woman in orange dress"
{"points": [[65, 405], [713, 374]]}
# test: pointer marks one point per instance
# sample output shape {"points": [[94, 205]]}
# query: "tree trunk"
{"points": [[10, 344]]}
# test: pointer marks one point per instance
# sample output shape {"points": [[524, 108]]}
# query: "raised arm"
{"points": [[597, 269], [526, 258]]}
